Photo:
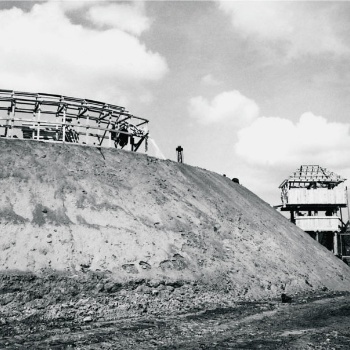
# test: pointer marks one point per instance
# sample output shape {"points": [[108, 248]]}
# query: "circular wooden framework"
{"points": [[56, 118]]}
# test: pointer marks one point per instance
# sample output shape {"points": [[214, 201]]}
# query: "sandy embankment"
{"points": [[74, 209]]}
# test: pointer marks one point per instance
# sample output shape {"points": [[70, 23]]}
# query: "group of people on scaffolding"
{"points": [[125, 131], [120, 133], [120, 136]]}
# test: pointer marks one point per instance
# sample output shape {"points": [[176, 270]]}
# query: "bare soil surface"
{"points": [[77, 209], [129, 317], [108, 249]]}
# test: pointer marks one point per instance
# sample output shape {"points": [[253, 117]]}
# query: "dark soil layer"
{"points": [[92, 312]]}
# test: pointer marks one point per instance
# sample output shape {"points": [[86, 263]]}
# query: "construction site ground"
{"points": [[98, 314], [109, 249]]}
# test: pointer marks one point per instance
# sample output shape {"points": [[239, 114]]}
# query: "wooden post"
{"points": [[341, 245], [110, 134], [292, 218], [78, 128], [347, 202], [64, 126], [87, 129], [38, 121], [99, 133], [7, 123], [33, 130], [12, 119], [317, 237], [335, 244], [56, 119], [56, 127]]}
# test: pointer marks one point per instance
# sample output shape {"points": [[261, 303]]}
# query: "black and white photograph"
{"points": [[174, 175]]}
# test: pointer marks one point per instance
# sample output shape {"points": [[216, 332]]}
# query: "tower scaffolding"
{"points": [[315, 196]]}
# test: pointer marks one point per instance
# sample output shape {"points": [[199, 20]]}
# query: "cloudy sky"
{"points": [[249, 89]]}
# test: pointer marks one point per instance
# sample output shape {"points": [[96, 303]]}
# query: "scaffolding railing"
{"points": [[56, 118]]}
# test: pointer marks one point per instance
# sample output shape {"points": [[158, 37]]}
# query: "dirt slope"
{"points": [[78, 209]]}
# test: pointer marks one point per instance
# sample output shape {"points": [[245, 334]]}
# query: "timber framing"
{"points": [[315, 196], [57, 118], [307, 175]]}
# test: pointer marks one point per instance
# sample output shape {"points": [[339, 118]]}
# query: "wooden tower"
{"points": [[315, 197]]}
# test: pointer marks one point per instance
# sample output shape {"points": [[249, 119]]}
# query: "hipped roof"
{"points": [[313, 173]]}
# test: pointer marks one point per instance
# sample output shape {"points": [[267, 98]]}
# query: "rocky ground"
{"points": [[93, 312]]}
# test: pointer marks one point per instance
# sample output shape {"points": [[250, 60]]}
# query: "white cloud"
{"points": [[42, 50], [295, 28], [268, 20], [210, 80], [228, 106], [279, 142], [129, 17], [73, 5], [272, 148]]}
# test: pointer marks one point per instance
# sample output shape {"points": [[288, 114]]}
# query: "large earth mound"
{"points": [[76, 209]]}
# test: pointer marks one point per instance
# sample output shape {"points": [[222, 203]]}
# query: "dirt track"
{"points": [[314, 321]]}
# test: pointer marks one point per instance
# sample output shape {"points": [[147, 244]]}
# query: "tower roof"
{"points": [[307, 174]]}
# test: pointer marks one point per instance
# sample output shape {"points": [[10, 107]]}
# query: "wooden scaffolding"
{"points": [[56, 118], [315, 196]]}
